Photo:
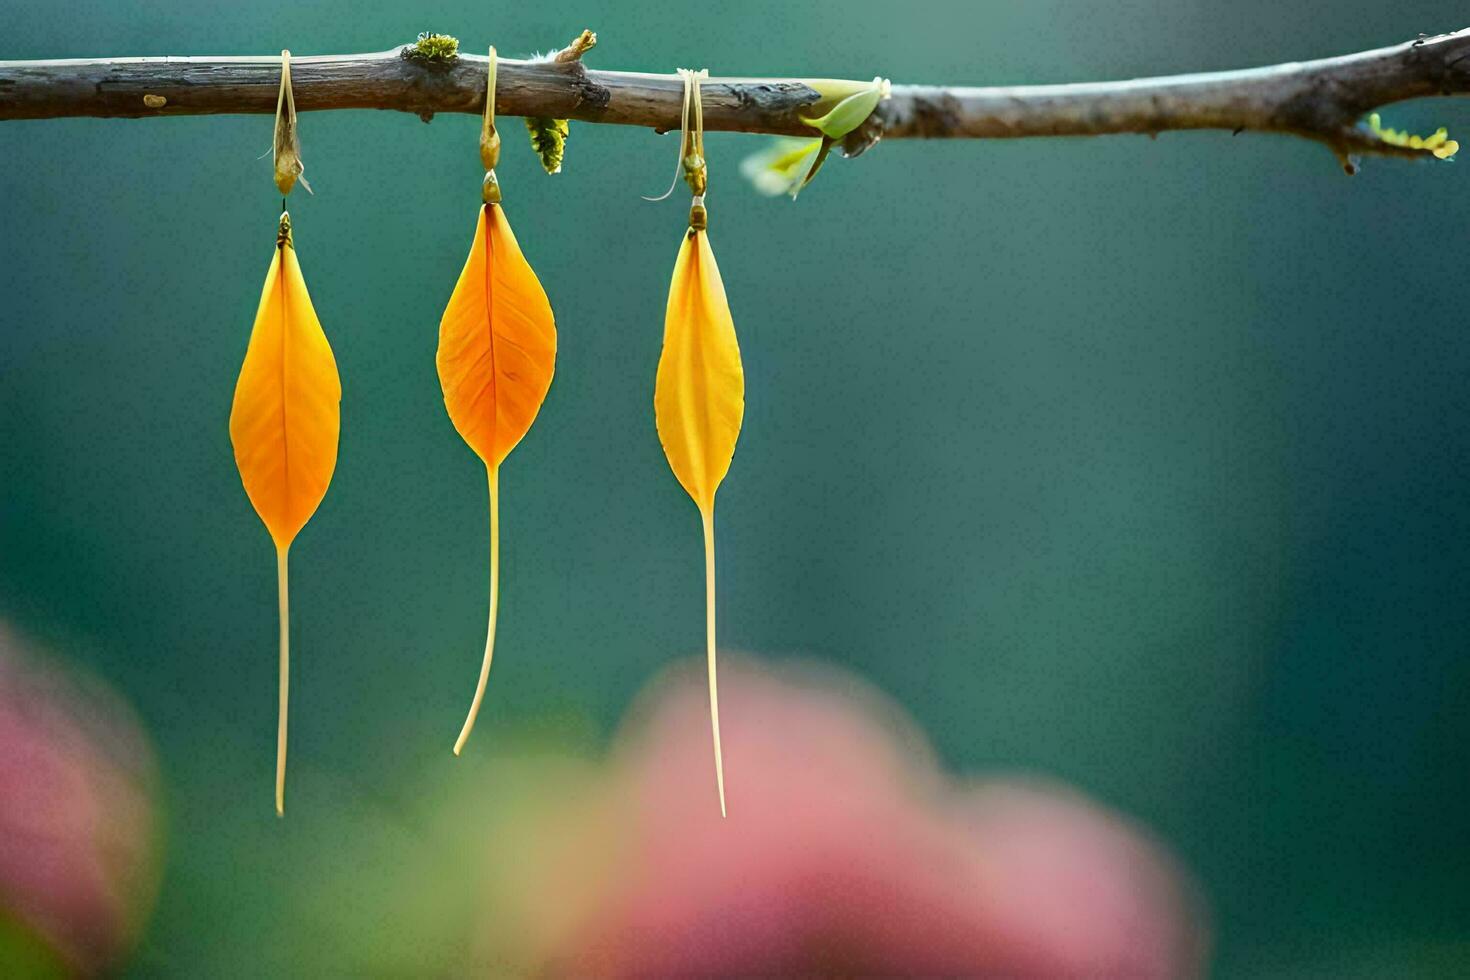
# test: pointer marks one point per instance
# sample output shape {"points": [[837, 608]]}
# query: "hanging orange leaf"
{"points": [[497, 353], [284, 425], [698, 404], [285, 420]]}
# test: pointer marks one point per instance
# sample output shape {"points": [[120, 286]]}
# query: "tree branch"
{"points": [[1319, 100]]}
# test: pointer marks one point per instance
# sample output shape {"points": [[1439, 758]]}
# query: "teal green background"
{"points": [[1139, 463]]}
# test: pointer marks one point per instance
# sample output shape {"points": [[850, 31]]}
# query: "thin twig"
{"points": [[1320, 100]]}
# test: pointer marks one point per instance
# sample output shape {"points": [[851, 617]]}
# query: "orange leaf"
{"points": [[698, 404], [497, 343], [284, 426], [497, 353], [285, 420]]}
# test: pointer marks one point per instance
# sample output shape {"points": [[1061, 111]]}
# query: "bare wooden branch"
{"points": [[1321, 100]]}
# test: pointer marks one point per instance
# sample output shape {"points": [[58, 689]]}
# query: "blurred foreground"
{"points": [[78, 824], [847, 851]]}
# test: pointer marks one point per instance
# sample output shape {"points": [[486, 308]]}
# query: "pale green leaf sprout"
{"points": [[1438, 143], [781, 167]]}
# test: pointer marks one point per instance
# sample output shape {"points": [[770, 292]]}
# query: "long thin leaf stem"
{"points": [[283, 598], [709, 631], [469, 723]]}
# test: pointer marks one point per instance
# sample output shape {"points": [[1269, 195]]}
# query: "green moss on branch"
{"points": [[439, 49]]}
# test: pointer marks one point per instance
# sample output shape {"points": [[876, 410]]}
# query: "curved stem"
{"points": [[469, 723], [709, 633], [285, 693]]}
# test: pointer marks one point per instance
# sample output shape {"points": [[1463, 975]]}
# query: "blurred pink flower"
{"points": [[847, 851], [78, 864]]}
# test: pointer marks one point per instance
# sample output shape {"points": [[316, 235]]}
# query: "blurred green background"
{"points": [[1140, 463]]}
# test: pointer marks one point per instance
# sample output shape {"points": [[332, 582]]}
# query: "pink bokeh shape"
{"points": [[848, 851]]}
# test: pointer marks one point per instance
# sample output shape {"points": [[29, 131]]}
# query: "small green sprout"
{"points": [[436, 48], [851, 111], [789, 164], [1438, 143]]}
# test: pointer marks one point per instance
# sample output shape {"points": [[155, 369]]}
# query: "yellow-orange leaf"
{"points": [[285, 420], [699, 393], [698, 404], [497, 343]]}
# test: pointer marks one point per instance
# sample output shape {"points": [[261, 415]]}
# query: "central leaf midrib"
{"points": [[285, 348], [490, 329]]}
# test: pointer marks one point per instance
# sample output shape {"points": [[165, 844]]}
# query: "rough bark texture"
{"points": [[1320, 100]]}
